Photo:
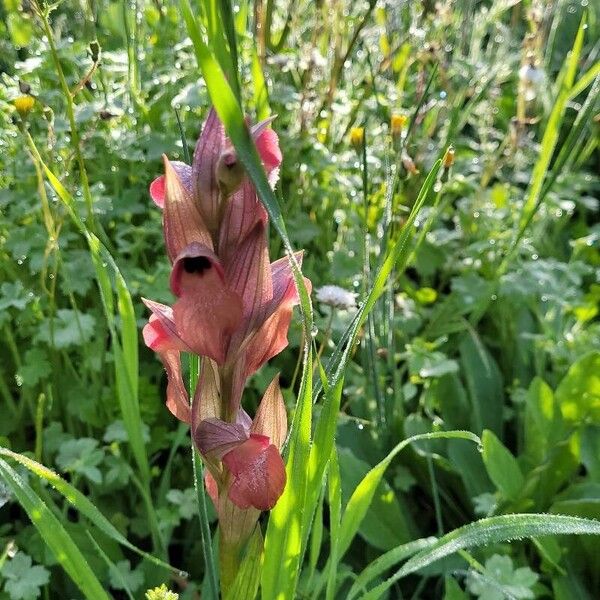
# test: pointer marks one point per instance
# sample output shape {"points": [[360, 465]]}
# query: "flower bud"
{"points": [[24, 104], [397, 124], [229, 172], [357, 137], [448, 159]]}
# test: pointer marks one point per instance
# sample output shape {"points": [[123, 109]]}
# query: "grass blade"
{"points": [[82, 504], [490, 531], [387, 561], [361, 498], [54, 534]]}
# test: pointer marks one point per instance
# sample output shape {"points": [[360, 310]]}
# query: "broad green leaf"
{"points": [[126, 367], [542, 421], [578, 394], [484, 383], [487, 532], [502, 466], [385, 525], [54, 534]]}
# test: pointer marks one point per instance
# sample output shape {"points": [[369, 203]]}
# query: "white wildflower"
{"points": [[336, 296], [529, 74]]}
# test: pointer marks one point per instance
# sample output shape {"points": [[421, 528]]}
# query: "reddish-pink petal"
{"points": [[160, 333], [211, 487], [271, 417], [183, 223], [271, 337], [242, 212], [206, 156], [157, 187], [267, 144], [158, 336], [258, 471], [177, 397], [248, 273], [157, 191], [207, 312], [269, 340]]}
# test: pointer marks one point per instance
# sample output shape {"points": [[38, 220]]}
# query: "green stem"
{"points": [[206, 538], [75, 140]]}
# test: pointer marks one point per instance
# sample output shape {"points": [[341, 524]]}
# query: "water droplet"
{"points": [[360, 426]]}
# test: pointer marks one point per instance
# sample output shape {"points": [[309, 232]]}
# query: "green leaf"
{"points": [[126, 367], [23, 581], [81, 456], [542, 421], [385, 562], [35, 368], [123, 577], [487, 532], [500, 580], [502, 466], [54, 534], [81, 503], [362, 496], [552, 130], [245, 585], [578, 394], [385, 525], [484, 383], [70, 328]]}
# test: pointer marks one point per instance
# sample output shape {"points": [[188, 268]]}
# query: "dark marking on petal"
{"points": [[196, 264]]}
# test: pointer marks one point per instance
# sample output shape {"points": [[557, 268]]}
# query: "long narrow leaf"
{"points": [[361, 498], [54, 534], [490, 531], [82, 504], [387, 561]]}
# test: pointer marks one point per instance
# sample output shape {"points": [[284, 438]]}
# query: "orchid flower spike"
{"points": [[232, 307]]}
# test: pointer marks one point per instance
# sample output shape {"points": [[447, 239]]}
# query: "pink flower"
{"points": [[250, 451], [232, 307]]}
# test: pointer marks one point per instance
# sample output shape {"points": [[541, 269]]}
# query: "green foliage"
{"points": [[500, 579], [23, 580], [477, 308]]}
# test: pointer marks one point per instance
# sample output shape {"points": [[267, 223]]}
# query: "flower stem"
{"points": [[75, 140]]}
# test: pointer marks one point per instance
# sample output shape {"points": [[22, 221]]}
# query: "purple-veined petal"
{"points": [[182, 221], [271, 417]]}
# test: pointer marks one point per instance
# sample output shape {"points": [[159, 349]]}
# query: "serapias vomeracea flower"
{"points": [[232, 307]]}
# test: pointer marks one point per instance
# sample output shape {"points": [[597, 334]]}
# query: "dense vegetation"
{"points": [[488, 321]]}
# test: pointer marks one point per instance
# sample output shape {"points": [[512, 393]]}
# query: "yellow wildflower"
{"points": [[24, 104], [357, 136]]}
